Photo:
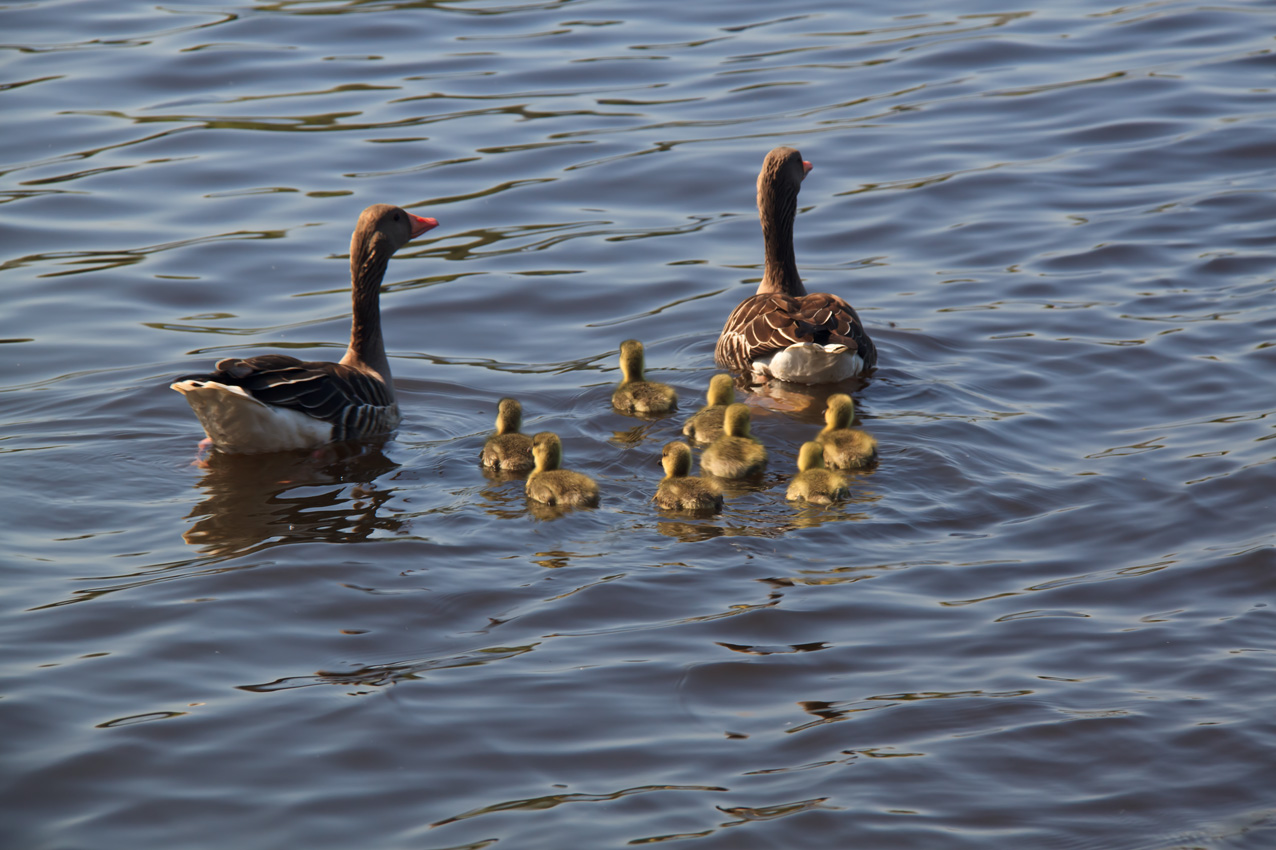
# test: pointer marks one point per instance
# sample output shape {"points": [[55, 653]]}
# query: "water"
{"points": [[1044, 620]]}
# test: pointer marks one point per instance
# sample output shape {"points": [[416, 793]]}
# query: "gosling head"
{"points": [[631, 360], [721, 390], [735, 422], [840, 412], [509, 416], [676, 459], [547, 451], [810, 456]]}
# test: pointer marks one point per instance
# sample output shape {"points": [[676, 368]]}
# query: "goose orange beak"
{"points": [[420, 225], [806, 167]]}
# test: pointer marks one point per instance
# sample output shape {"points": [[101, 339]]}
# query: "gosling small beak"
{"points": [[806, 167]]}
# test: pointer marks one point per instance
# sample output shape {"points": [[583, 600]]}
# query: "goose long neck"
{"points": [[369, 256], [777, 209]]}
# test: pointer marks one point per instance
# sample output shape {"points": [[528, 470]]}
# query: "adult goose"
{"points": [[274, 402], [782, 332]]}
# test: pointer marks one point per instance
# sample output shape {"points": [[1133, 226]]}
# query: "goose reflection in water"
{"points": [[256, 501], [798, 400]]}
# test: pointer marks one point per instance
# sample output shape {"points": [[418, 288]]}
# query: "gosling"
{"points": [[507, 450], [706, 425], [553, 486], [636, 394], [813, 482], [845, 447], [736, 454], [681, 491]]}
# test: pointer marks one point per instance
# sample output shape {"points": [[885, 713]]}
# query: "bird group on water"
{"points": [[275, 402]]}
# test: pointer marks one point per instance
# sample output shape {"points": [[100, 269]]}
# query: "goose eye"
{"points": [[396, 216]]}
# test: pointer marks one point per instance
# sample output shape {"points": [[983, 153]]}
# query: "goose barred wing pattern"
{"points": [[765, 324], [355, 403]]}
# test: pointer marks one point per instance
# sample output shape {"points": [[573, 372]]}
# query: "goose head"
{"points": [[382, 229]]}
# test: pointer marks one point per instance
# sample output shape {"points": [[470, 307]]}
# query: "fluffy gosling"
{"points": [[736, 454], [507, 450], [553, 486], [681, 491], [813, 482], [845, 447], [636, 394], [706, 425]]}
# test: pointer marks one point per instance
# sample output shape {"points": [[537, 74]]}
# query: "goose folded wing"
{"points": [[325, 391], [825, 318], [759, 326]]}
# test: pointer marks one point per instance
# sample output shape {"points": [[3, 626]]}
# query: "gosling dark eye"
{"points": [[396, 216]]}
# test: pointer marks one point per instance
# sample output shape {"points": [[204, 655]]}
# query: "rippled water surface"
{"points": [[1044, 619]]}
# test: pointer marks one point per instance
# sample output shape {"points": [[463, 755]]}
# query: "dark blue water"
{"points": [[1043, 620]]}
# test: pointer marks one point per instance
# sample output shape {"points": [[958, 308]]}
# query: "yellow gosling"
{"points": [[681, 491], [553, 486], [736, 454], [706, 425], [813, 482], [508, 450], [636, 394], [845, 447]]}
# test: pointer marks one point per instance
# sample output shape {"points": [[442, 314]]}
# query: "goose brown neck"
{"points": [[369, 255], [777, 207]]}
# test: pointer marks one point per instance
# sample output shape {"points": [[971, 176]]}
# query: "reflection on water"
{"points": [[1043, 620], [638, 434], [546, 513], [801, 402], [378, 675], [689, 532], [261, 500]]}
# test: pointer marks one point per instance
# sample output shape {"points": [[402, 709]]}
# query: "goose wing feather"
{"points": [[766, 323], [354, 402]]}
